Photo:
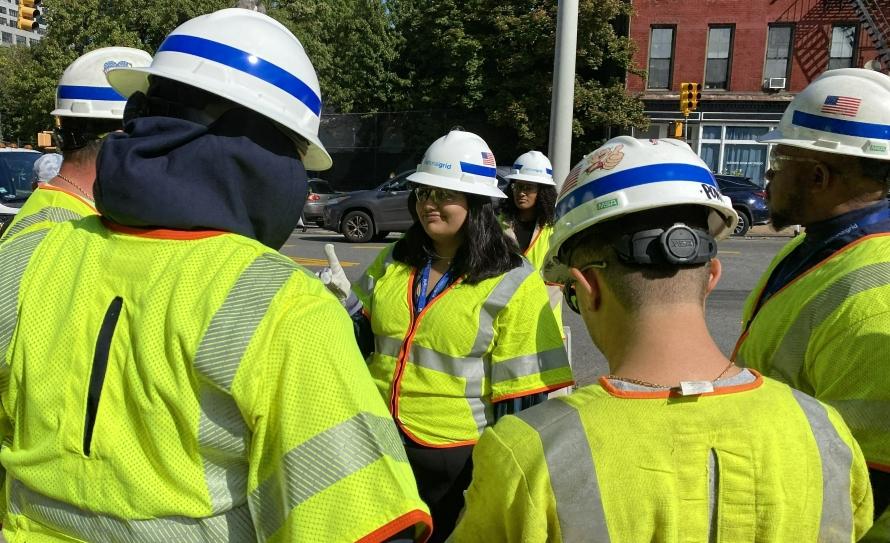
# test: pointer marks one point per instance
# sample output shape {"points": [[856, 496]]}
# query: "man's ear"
{"points": [[822, 179], [715, 270], [591, 286]]}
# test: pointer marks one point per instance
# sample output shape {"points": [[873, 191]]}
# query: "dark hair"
{"points": [[486, 252], [73, 133], [545, 205]]}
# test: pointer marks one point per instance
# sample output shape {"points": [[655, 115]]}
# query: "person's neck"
{"points": [[830, 211], [81, 178], [445, 251], [526, 215], [665, 345]]}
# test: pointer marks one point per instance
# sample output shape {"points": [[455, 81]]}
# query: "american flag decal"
{"points": [[488, 159], [841, 105], [571, 180]]}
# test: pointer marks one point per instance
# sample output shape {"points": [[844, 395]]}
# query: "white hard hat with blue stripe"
{"points": [[534, 167], [626, 176], [83, 90], [248, 58], [845, 112], [459, 161]]}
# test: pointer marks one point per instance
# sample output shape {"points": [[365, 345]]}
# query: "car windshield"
{"points": [[16, 170], [736, 182]]}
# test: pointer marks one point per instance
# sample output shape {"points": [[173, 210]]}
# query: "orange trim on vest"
{"points": [[795, 280], [47, 186], [880, 467], [405, 521], [550, 388], [161, 233], [534, 240], [402, 361], [675, 392]]}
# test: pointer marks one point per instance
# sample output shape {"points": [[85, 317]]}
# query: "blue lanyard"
{"points": [[422, 298]]}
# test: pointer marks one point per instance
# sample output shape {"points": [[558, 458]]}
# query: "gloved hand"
{"points": [[334, 278]]}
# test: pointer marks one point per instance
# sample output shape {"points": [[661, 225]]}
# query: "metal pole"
{"points": [[563, 96]]}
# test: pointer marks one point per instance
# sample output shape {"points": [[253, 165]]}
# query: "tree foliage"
{"points": [[485, 65]]}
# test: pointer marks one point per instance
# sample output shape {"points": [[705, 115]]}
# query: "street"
{"points": [[743, 262]]}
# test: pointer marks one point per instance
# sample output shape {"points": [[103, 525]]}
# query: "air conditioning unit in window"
{"points": [[775, 83]]}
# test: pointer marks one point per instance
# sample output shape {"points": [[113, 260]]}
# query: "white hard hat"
{"points": [[460, 161], [534, 167], [245, 57], [83, 90], [845, 112], [628, 175]]}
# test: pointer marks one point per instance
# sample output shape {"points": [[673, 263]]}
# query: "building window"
{"points": [[733, 150], [2, 21], [7, 37], [3, 11], [778, 52], [843, 42], [719, 55], [661, 55], [21, 40]]}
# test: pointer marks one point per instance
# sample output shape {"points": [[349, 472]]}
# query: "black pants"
{"points": [[442, 476]]}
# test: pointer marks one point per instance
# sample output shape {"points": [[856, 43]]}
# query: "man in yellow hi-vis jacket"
{"points": [[819, 318], [676, 444], [166, 375]]}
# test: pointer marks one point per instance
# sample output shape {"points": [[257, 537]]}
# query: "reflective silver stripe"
{"points": [[530, 364], [322, 461], [388, 346], [366, 282], [222, 434], [789, 358], [64, 518], [15, 257], [713, 486], [579, 505], [47, 214], [836, 523], [497, 300], [554, 293]]}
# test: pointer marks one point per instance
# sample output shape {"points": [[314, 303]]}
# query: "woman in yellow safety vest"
{"points": [[528, 214], [460, 322]]}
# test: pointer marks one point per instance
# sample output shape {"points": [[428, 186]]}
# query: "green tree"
{"points": [[488, 65]]}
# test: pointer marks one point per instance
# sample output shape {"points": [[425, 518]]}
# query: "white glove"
{"points": [[334, 278]]}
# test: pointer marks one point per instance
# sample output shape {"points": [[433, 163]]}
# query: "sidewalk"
{"points": [[766, 231]]}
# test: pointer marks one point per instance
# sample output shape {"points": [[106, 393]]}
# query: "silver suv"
{"points": [[366, 215]]}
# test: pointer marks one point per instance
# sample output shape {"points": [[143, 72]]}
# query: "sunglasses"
{"points": [[435, 195], [570, 294], [519, 186], [777, 160]]}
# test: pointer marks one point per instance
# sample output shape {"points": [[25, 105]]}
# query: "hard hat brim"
{"points": [[451, 183], [127, 81], [530, 178], [96, 115]]}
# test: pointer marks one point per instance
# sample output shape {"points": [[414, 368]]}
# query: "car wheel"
{"points": [[380, 236], [357, 227], [744, 224]]}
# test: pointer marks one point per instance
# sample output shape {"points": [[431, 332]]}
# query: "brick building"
{"points": [[750, 57]]}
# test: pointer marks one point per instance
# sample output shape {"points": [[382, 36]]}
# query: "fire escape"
{"points": [[874, 20]]}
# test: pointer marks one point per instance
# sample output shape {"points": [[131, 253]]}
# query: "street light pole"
{"points": [[563, 95]]}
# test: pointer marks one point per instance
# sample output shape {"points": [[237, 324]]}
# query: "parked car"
{"points": [[748, 199], [320, 192], [16, 170], [364, 215]]}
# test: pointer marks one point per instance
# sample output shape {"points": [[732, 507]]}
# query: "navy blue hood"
{"points": [[240, 174]]}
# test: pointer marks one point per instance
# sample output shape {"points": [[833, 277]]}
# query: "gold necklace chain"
{"points": [[78, 189], [656, 385]]}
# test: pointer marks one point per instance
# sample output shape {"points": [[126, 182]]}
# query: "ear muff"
{"points": [[679, 245]]}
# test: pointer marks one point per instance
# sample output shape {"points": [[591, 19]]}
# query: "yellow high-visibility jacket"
{"points": [[472, 346], [535, 253], [827, 333], [47, 206], [754, 462], [186, 386]]}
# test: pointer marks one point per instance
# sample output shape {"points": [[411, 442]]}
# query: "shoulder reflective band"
{"points": [[840, 126], [76, 92], [247, 63], [633, 177], [475, 169]]}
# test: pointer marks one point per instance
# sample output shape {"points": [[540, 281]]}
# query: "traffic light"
{"points": [[28, 14], [689, 97]]}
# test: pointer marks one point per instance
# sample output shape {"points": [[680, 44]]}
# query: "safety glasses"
{"points": [[519, 186], [778, 161], [435, 195], [568, 290]]}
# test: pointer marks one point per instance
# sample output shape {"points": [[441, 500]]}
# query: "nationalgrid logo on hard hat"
{"points": [[112, 64]]}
